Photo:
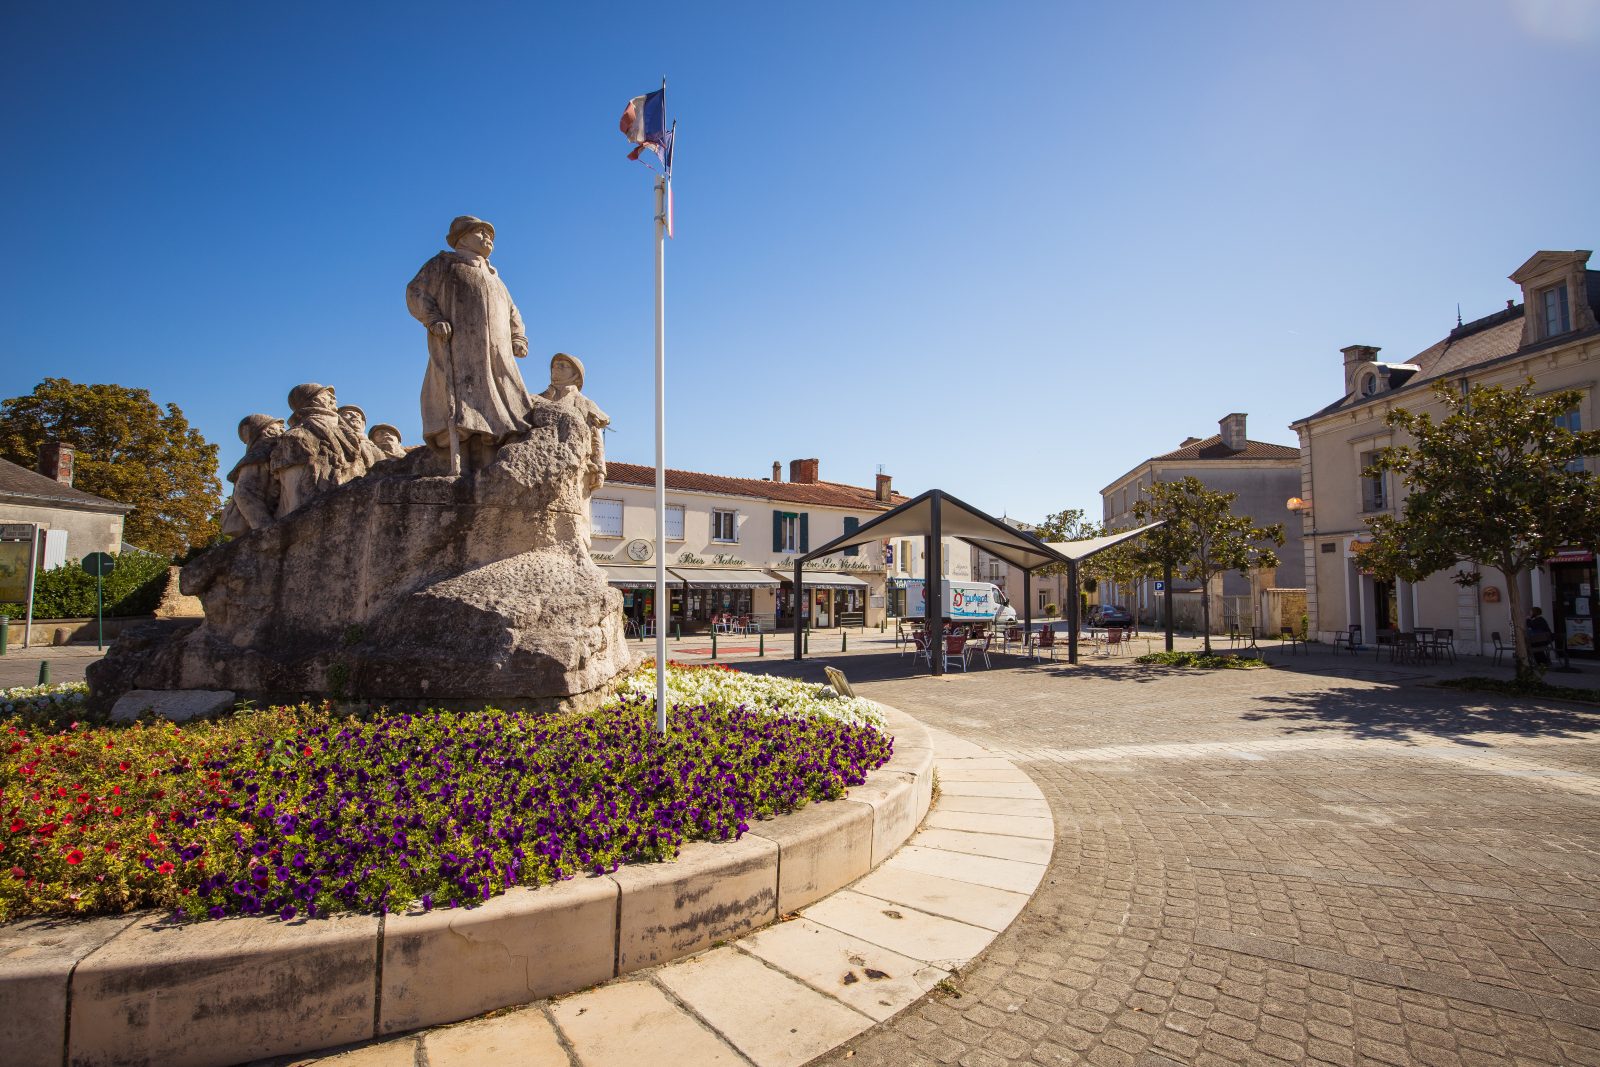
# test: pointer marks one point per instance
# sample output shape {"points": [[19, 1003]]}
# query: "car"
{"points": [[1109, 615]]}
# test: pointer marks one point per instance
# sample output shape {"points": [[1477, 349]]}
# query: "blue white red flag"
{"points": [[644, 122]]}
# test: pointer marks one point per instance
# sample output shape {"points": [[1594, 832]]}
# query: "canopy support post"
{"points": [[933, 607], [799, 598], [1074, 600], [1166, 597]]}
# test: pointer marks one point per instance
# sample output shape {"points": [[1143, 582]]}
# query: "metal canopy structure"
{"points": [[935, 515]]}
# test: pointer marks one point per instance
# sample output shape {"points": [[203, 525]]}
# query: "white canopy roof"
{"points": [[1078, 551], [914, 518]]}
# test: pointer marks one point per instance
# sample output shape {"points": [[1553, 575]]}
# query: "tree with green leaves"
{"points": [[1068, 525], [1202, 537], [128, 450], [1127, 566], [1498, 482]]}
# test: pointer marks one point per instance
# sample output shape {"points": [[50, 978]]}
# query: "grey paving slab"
{"points": [[901, 928], [968, 902], [525, 1038], [1012, 875], [774, 1019], [869, 978], [634, 1022]]}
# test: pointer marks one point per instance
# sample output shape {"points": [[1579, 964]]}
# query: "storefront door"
{"points": [[1575, 605]]}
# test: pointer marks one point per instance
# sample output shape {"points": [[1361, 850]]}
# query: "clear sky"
{"points": [[1004, 249]]}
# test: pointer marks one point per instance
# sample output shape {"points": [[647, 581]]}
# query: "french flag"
{"points": [[644, 122]]}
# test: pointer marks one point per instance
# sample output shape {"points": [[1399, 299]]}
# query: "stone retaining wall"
{"points": [[132, 990]]}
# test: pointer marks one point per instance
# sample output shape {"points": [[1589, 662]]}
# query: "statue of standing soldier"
{"points": [[473, 396]]}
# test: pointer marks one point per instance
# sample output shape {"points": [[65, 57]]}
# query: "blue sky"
{"points": [[1008, 250]]}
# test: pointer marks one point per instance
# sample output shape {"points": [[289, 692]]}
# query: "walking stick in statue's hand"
{"points": [[450, 377]]}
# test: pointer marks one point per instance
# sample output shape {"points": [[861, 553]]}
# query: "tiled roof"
{"points": [[21, 483], [1212, 448], [823, 494]]}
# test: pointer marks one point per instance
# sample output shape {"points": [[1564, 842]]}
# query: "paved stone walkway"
{"points": [[1285, 866]]}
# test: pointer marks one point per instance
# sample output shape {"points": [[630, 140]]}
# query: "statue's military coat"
{"points": [[491, 399]]}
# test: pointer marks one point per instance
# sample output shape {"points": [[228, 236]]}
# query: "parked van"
{"points": [[963, 601]]}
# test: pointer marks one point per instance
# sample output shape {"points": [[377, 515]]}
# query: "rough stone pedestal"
{"points": [[405, 587]]}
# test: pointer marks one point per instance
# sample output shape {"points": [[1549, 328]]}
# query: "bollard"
{"points": [[677, 632], [844, 641], [5, 634], [806, 648], [713, 644], [762, 651], [44, 672]]}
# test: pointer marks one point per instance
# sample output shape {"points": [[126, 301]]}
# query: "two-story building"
{"points": [[731, 543], [1262, 475], [1551, 338]]}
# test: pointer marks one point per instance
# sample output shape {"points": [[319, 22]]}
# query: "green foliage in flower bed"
{"points": [[44, 705], [67, 592], [1203, 661], [1512, 687], [297, 811]]}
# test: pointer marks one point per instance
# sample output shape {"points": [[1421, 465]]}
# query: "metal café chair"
{"points": [[1292, 639], [1349, 639], [955, 651], [980, 647], [1443, 643]]}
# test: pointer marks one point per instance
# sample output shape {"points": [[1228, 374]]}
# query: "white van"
{"points": [[963, 601]]}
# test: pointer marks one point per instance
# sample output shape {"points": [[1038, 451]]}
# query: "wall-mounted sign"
{"points": [[1491, 594], [639, 550]]}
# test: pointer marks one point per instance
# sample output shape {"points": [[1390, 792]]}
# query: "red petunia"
{"points": [[165, 868], [112, 846], [74, 857]]}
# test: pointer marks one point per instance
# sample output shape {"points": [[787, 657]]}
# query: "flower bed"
{"points": [[297, 811], [1221, 662], [41, 704]]}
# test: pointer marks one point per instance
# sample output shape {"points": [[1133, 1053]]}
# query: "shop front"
{"points": [[1574, 599], [831, 600], [638, 588], [744, 597]]}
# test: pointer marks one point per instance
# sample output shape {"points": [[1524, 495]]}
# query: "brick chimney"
{"points": [[803, 471], [1232, 429], [55, 462], [777, 471], [885, 488]]}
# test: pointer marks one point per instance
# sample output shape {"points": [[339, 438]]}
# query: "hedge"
{"points": [[67, 592]]}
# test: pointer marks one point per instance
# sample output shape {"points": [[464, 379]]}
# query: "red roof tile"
{"points": [[823, 494]]}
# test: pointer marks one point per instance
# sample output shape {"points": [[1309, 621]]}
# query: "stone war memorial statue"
{"points": [[363, 571]]}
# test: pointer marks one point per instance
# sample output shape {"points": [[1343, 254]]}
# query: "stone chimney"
{"points": [[777, 471], [885, 488], [1232, 429], [803, 471], [55, 462], [1355, 358]]}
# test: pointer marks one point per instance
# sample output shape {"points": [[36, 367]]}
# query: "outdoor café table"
{"points": [[1425, 649]]}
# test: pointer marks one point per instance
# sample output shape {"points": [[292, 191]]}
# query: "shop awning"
{"points": [[832, 579], [633, 577], [730, 578]]}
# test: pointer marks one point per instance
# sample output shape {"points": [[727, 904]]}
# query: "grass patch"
{"points": [[1202, 661], [299, 811], [1511, 687]]}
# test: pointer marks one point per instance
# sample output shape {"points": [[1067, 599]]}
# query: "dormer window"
{"points": [[1369, 385], [1554, 318]]}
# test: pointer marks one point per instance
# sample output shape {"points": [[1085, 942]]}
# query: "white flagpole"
{"points": [[661, 458]]}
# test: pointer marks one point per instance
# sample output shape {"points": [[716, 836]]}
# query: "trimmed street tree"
{"points": [[1202, 537], [1498, 482], [1126, 566], [129, 451], [1068, 525]]}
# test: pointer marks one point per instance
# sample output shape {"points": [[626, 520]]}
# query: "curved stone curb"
{"points": [[786, 994], [132, 989]]}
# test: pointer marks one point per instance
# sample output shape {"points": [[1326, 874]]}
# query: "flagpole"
{"points": [[661, 458]]}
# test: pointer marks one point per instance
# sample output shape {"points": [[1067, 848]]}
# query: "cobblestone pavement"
{"points": [[1255, 867]]}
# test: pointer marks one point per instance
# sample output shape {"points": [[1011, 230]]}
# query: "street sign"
{"points": [[99, 564], [1161, 587]]}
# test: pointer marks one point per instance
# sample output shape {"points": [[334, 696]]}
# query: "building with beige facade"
{"points": [[1263, 477], [1550, 338], [731, 543]]}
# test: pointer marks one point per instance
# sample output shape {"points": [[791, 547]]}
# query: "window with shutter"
{"points": [[777, 531], [606, 517], [851, 525], [674, 522], [805, 532]]}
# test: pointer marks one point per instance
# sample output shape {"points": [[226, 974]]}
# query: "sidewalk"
{"points": [[20, 666]]}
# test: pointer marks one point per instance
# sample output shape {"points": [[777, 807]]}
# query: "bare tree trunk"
{"points": [[1205, 612]]}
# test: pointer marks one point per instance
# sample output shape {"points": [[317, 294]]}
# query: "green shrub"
{"points": [[67, 592], [1049, 611], [1202, 661], [1511, 687]]}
